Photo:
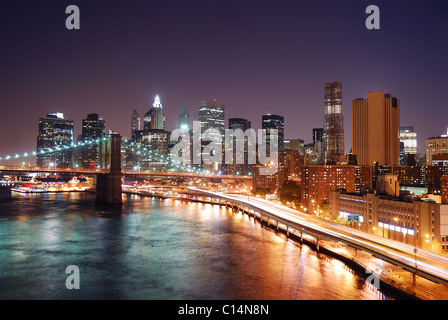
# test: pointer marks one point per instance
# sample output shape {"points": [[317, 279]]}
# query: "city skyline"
{"points": [[271, 65], [224, 150]]}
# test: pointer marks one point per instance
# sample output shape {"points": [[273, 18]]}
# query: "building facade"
{"points": [[375, 129], [93, 127], [135, 122], [55, 131], [319, 180], [408, 145], [239, 165], [154, 118], [294, 144], [333, 131], [211, 116], [184, 119], [423, 224], [271, 181], [444, 189], [436, 146], [276, 122]]}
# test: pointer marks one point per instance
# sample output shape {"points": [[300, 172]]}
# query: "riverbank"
{"points": [[389, 278]]}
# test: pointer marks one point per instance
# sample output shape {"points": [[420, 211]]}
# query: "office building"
{"points": [[333, 131], [184, 119], [375, 129], [293, 144], [272, 121], [93, 127], [211, 116], [156, 141], [436, 146], [135, 122], [154, 118], [240, 165], [55, 131], [411, 220], [318, 135], [408, 145], [409, 138]]}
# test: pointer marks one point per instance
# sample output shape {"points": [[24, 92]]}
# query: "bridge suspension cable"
{"points": [[55, 148], [138, 149], [164, 158]]}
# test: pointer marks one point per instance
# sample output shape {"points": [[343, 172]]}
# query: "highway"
{"points": [[175, 174], [427, 262]]}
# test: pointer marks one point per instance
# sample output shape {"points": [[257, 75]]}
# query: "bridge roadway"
{"points": [[423, 263], [124, 172]]}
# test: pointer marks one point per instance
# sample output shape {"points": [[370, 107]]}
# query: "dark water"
{"points": [[156, 249]]}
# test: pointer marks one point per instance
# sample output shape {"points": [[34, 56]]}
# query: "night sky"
{"points": [[256, 57]]}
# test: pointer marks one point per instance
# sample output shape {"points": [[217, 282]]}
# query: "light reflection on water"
{"points": [[157, 249]]}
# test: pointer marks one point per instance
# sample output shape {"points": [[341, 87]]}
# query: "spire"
{"points": [[184, 110], [157, 103]]}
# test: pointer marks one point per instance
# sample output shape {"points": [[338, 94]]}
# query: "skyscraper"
{"points": [[93, 127], [239, 123], [318, 139], [184, 119], [211, 116], [54, 131], [239, 168], [272, 121], [376, 129], [318, 135], [333, 138], [135, 122], [436, 146], [408, 139], [154, 118]]}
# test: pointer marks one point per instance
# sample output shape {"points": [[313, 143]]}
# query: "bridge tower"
{"points": [[108, 185]]}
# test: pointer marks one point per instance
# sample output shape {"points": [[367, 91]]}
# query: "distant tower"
{"points": [[135, 122], [54, 130], [239, 168], [272, 121], [93, 127], [408, 139], [184, 119], [333, 139], [211, 116], [154, 118]]}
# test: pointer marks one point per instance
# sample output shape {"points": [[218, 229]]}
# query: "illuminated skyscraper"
{"points": [[184, 119], [408, 144], [93, 127], [272, 121], [333, 135], [409, 138], [154, 118], [376, 129], [239, 168], [135, 122], [54, 131], [211, 116]]}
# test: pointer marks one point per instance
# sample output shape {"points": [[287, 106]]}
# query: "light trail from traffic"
{"points": [[427, 262]]}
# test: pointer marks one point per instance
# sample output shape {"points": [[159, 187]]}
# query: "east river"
{"points": [[157, 249]]}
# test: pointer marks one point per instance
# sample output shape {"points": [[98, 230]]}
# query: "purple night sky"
{"points": [[256, 57]]}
